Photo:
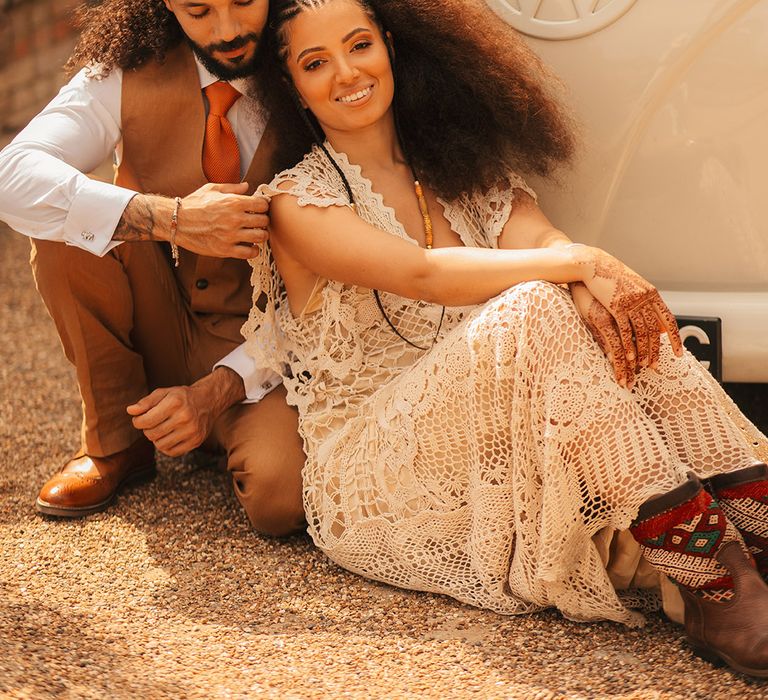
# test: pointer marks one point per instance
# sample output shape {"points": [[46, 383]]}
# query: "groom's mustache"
{"points": [[237, 43]]}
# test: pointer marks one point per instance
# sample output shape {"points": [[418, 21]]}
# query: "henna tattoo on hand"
{"points": [[636, 306], [655, 338], [604, 330], [602, 327], [601, 324], [137, 222], [631, 291]]}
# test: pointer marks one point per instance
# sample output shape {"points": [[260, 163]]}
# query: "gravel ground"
{"points": [[170, 595]]}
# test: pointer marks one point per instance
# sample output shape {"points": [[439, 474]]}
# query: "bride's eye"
{"points": [[359, 45], [313, 65]]}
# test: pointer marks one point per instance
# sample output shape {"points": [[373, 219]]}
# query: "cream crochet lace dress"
{"points": [[482, 467]]}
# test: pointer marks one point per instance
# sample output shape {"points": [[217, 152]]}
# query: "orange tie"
{"points": [[221, 156]]}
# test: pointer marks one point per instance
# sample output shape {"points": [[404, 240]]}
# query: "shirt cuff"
{"points": [[258, 381], [95, 212]]}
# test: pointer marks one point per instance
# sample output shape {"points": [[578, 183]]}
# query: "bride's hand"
{"points": [[604, 330], [634, 304]]}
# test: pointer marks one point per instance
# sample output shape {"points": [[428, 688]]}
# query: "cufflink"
{"points": [[87, 236]]}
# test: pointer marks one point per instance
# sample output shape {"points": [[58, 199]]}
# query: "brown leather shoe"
{"points": [[88, 485], [736, 630]]}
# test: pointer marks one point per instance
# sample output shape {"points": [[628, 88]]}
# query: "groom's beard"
{"points": [[238, 68]]}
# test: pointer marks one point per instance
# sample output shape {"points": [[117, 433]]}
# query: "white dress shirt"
{"points": [[44, 193]]}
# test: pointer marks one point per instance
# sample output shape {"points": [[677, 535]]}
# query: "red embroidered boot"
{"points": [[685, 535], [743, 496]]}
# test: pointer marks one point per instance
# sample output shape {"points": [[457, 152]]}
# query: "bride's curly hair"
{"points": [[472, 100], [124, 34]]}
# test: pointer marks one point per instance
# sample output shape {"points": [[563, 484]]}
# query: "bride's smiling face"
{"points": [[339, 64]]}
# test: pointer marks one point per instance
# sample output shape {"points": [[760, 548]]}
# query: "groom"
{"points": [[150, 290]]}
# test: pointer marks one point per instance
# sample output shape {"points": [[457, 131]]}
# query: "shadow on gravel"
{"points": [[65, 649], [171, 594]]}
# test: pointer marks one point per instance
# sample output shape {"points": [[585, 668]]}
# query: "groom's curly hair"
{"points": [[124, 34], [472, 100]]}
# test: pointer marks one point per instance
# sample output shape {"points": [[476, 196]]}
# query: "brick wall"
{"points": [[36, 38]]}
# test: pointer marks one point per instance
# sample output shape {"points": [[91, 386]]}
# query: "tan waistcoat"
{"points": [[163, 123]]}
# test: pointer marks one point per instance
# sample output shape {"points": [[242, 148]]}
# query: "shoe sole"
{"points": [[716, 658], [46, 508]]}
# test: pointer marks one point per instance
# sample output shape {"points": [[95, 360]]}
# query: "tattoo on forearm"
{"points": [[137, 222]]}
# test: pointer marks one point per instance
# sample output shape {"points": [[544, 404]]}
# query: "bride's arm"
{"points": [[335, 243], [624, 312], [528, 227]]}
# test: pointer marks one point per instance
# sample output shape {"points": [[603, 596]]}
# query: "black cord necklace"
{"points": [[428, 239], [428, 233]]}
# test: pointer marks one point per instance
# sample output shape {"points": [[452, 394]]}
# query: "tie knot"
{"points": [[221, 96]]}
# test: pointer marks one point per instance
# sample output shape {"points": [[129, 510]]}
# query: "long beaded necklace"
{"points": [[428, 241], [424, 214]]}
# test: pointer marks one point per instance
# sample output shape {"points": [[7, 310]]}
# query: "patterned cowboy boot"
{"points": [[685, 535], [743, 496]]}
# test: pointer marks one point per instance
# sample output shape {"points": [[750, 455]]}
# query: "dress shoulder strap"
{"points": [[480, 217], [313, 181]]}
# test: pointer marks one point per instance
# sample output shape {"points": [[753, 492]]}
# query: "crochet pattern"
{"points": [[482, 467]]}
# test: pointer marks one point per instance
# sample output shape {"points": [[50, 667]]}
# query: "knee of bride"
{"points": [[536, 327], [543, 307], [536, 294]]}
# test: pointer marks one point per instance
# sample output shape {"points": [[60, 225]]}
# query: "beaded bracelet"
{"points": [[174, 227]]}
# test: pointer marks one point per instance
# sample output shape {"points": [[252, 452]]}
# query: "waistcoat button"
{"points": [[202, 284]]}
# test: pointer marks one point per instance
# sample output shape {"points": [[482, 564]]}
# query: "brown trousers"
{"points": [[127, 328]]}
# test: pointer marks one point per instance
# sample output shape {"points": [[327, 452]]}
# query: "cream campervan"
{"points": [[673, 173]]}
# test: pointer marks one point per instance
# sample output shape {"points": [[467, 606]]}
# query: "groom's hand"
{"points": [[220, 220], [178, 419]]}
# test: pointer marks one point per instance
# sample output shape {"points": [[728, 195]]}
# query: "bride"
{"points": [[470, 422]]}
